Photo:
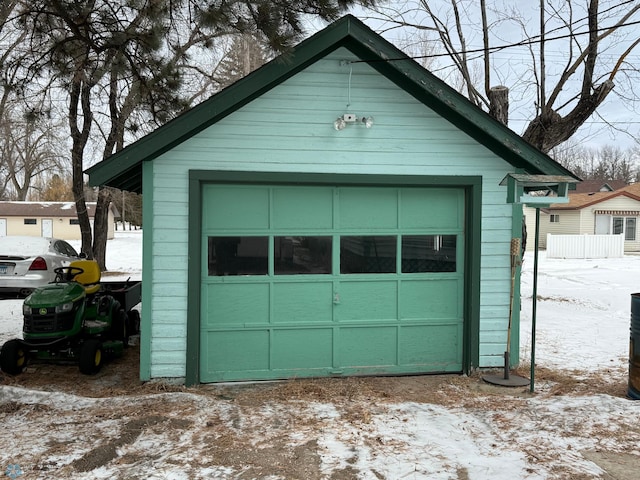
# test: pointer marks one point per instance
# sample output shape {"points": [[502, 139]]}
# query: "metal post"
{"points": [[534, 302]]}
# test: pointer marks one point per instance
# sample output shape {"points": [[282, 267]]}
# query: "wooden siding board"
{"points": [[170, 314], [274, 144], [396, 144], [170, 330], [171, 344], [492, 357], [167, 266], [495, 337], [494, 311], [495, 248], [501, 285], [494, 273], [168, 368]]}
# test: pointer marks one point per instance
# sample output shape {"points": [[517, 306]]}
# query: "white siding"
{"points": [[619, 203], [579, 222], [568, 224], [290, 129]]}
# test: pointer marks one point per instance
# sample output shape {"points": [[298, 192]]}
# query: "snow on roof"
{"points": [[39, 209]]}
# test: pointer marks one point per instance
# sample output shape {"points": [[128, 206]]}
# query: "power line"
{"points": [[530, 41]]}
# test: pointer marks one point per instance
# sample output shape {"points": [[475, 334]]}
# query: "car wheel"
{"points": [[13, 357], [91, 357]]}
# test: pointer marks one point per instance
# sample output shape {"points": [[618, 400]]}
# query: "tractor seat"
{"points": [[90, 278]]}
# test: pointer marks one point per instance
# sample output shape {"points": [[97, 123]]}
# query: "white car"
{"points": [[28, 262]]}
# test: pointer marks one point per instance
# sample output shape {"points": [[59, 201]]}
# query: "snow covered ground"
{"points": [[583, 311], [578, 423]]}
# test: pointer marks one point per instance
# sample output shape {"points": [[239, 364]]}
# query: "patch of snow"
{"points": [[582, 323], [23, 246]]}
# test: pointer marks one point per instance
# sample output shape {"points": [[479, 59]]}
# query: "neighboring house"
{"points": [[602, 213], [593, 186], [46, 219], [336, 212]]}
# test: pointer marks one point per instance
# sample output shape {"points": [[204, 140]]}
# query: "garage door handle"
{"points": [[336, 299]]}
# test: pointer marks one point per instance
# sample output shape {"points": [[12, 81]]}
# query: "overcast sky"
{"points": [[512, 66]]}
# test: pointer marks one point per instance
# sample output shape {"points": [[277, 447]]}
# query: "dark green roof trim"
{"points": [[123, 169]]}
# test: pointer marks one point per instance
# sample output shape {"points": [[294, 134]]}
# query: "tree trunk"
{"points": [[79, 99], [549, 129], [499, 103], [101, 227]]}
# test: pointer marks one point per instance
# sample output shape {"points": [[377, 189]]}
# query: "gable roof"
{"points": [[578, 201], [46, 209], [123, 170], [593, 186]]}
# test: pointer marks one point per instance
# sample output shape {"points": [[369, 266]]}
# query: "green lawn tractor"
{"points": [[76, 318]]}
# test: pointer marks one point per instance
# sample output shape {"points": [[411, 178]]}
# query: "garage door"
{"points": [[330, 280]]}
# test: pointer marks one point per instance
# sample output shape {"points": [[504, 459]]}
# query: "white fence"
{"points": [[585, 246]]}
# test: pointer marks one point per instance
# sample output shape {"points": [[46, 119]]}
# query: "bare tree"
{"points": [[568, 91], [129, 206], [28, 148], [605, 163], [121, 66], [10, 87]]}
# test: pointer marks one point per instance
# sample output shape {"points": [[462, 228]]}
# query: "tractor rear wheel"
{"points": [[13, 357], [91, 357], [134, 322], [120, 327]]}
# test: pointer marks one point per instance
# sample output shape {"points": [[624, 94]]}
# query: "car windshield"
{"points": [[65, 249]]}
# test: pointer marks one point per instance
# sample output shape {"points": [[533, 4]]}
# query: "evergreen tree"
{"points": [[57, 189], [245, 55], [122, 66]]}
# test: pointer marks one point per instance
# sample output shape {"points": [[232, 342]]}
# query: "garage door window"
{"points": [[428, 253], [311, 255], [368, 254], [302, 255], [238, 256]]}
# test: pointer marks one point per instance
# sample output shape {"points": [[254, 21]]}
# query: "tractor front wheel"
{"points": [[13, 357], [91, 357]]}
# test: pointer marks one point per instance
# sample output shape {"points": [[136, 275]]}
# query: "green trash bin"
{"points": [[634, 349]]}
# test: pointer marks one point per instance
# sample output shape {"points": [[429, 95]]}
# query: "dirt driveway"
{"points": [[66, 425]]}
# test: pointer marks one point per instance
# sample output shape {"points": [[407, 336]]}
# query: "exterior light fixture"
{"points": [[339, 124], [343, 120]]}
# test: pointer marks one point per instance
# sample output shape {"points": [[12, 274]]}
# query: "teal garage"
{"points": [[334, 213]]}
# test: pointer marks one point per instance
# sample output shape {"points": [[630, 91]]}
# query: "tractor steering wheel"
{"points": [[66, 274]]}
